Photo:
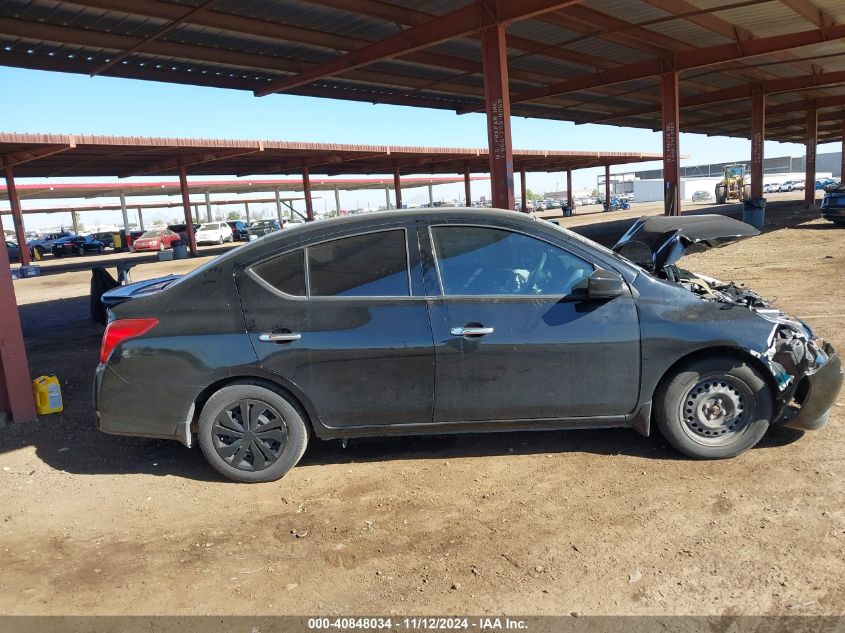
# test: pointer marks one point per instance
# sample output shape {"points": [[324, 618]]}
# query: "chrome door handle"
{"points": [[285, 337], [471, 331]]}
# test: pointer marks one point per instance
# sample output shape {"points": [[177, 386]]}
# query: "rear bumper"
{"points": [[818, 393]]}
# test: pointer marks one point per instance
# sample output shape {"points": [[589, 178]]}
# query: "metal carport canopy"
{"points": [[55, 155], [582, 61]]}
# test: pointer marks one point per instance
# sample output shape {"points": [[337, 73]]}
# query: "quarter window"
{"points": [[370, 265], [475, 260], [285, 273]]}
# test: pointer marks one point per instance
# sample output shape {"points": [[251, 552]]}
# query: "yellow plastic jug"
{"points": [[48, 395]]}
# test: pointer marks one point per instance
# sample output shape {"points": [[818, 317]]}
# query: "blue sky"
{"points": [[37, 101]]}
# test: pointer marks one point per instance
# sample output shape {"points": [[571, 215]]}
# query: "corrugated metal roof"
{"points": [[248, 44]]}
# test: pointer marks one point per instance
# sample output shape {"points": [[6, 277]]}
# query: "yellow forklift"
{"points": [[734, 184]]}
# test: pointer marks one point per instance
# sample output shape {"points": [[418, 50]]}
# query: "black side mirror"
{"points": [[605, 284]]}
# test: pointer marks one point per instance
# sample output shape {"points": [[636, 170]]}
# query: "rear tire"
{"points": [[271, 443], [713, 408]]}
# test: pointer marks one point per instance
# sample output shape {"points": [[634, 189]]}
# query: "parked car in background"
{"points": [[44, 244], [539, 205], [787, 186], [798, 185], [182, 231], [294, 222], [13, 251], [155, 240], [214, 233], [240, 230], [260, 228], [700, 196], [833, 205], [382, 324], [77, 245], [771, 187], [106, 237]]}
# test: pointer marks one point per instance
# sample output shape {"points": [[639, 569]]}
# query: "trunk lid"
{"points": [[136, 290]]}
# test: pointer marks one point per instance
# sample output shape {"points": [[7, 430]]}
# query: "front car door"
{"points": [[516, 337], [345, 320]]}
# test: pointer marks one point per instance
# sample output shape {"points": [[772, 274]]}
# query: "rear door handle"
{"points": [[285, 337], [471, 331]]}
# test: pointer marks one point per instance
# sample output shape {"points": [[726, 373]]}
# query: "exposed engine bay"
{"points": [[793, 353]]}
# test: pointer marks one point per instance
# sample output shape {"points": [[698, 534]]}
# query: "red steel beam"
{"points": [[306, 192], [570, 201], [186, 206], [734, 93], [810, 159], [684, 60], [195, 159], [842, 164], [824, 117], [25, 156], [758, 137], [114, 61], [17, 216], [397, 187], [497, 99], [455, 24], [16, 397], [671, 158]]}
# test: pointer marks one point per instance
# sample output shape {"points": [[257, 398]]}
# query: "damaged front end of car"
{"points": [[805, 369]]}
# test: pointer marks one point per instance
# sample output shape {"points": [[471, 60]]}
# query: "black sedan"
{"points": [[260, 228], [77, 245], [240, 230], [461, 320]]}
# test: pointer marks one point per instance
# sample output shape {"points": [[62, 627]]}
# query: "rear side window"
{"points": [[370, 265], [285, 273]]}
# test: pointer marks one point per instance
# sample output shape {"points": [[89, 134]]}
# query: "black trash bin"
{"points": [[754, 212], [567, 211]]}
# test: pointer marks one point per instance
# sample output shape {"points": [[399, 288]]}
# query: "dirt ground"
{"points": [[592, 522]]}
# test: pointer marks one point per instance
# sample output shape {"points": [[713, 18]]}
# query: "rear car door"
{"points": [[516, 337], [345, 320]]}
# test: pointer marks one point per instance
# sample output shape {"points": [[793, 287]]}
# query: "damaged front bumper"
{"points": [[814, 395]]}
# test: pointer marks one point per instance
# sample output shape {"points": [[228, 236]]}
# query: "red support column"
{"points": [[524, 190], [570, 201], [842, 166], [15, 387], [498, 103], [397, 187], [607, 187], [758, 137], [467, 186], [306, 189], [17, 216], [810, 159], [671, 158], [186, 206]]}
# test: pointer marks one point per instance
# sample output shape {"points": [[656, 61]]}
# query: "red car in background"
{"points": [[157, 240]]}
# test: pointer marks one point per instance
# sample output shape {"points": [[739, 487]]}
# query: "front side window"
{"points": [[370, 265], [285, 273], [474, 260]]}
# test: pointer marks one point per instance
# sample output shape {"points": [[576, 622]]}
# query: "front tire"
{"points": [[251, 432], [714, 408]]}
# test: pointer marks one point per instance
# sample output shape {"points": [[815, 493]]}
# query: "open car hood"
{"points": [[659, 241]]}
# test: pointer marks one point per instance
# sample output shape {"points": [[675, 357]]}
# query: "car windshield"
{"points": [[152, 234], [210, 227], [262, 223]]}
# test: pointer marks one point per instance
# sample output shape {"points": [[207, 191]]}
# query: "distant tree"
{"points": [[531, 195], [233, 215]]}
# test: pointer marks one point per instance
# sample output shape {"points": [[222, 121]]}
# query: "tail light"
{"points": [[122, 330]]}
